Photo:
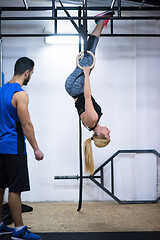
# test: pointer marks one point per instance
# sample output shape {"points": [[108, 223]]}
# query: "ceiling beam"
{"points": [[6, 35], [80, 18], [100, 8], [149, 2]]}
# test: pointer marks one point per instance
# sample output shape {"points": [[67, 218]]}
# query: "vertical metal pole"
{"points": [[53, 7], [111, 26], [55, 22], [80, 136], [102, 177], [54, 14], [79, 24], [112, 176], [80, 166], [158, 186], [85, 25], [0, 54], [119, 8], [112, 5]]}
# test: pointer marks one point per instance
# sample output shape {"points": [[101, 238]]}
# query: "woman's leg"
{"points": [[98, 29], [74, 84], [94, 38]]}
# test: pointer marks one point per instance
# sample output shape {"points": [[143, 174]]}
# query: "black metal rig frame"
{"points": [[83, 33], [119, 9], [100, 177]]}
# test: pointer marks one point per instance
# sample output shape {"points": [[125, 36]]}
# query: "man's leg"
{"points": [[14, 200], [3, 228], [1, 202]]}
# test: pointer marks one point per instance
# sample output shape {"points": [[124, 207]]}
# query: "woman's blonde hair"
{"points": [[99, 142]]}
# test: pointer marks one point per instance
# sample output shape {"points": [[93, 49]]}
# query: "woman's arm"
{"points": [[90, 114], [87, 87]]}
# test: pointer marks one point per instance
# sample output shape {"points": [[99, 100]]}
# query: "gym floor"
{"points": [[93, 217]]}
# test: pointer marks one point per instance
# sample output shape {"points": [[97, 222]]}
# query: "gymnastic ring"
{"points": [[79, 56]]}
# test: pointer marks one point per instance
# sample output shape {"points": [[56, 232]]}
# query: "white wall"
{"points": [[125, 82]]}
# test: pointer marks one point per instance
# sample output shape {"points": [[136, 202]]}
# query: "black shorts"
{"points": [[14, 172]]}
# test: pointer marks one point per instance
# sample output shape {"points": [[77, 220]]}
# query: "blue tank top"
{"points": [[12, 139]]}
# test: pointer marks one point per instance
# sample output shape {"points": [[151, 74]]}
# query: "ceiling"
{"points": [[33, 3]]}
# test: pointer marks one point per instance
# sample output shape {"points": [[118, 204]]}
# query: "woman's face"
{"points": [[105, 132]]}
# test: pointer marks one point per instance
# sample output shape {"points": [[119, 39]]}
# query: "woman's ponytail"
{"points": [[88, 154], [89, 162]]}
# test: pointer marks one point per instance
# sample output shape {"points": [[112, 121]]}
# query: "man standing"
{"points": [[15, 125]]}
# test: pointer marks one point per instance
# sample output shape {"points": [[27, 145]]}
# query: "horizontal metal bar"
{"points": [[65, 177], [36, 35], [140, 151], [50, 35], [128, 151], [98, 8], [74, 177], [139, 202], [121, 201], [136, 151], [79, 18], [148, 2]]}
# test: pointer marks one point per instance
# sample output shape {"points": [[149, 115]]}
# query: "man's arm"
{"points": [[20, 101]]}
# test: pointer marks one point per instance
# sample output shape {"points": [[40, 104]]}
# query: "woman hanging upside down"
{"points": [[77, 85]]}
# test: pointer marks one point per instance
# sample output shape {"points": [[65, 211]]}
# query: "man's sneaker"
{"points": [[109, 13], [24, 233], [5, 230]]}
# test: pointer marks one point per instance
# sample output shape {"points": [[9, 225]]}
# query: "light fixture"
{"points": [[62, 40]]}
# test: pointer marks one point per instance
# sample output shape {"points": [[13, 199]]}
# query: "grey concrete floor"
{"points": [[93, 217]]}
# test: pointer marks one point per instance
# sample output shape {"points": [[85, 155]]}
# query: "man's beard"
{"points": [[26, 80]]}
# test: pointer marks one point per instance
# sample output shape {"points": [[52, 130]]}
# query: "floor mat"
{"points": [[96, 236]]}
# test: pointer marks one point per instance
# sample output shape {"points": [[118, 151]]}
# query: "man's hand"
{"points": [[38, 154]]}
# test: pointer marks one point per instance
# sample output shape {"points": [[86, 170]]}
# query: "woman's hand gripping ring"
{"points": [[81, 55]]}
